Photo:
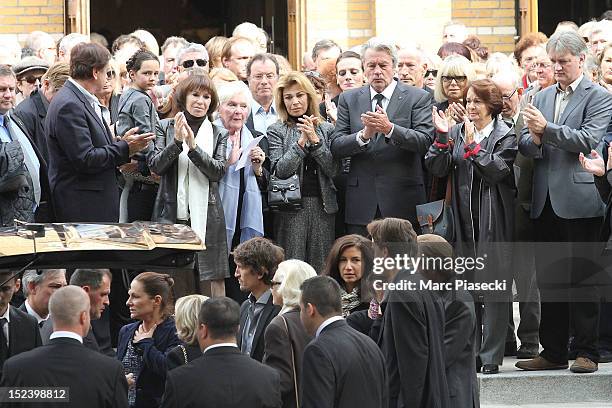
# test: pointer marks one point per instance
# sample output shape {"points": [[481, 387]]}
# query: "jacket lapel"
{"points": [[397, 100], [263, 318], [15, 322], [365, 102], [91, 110], [24, 130], [577, 97]]}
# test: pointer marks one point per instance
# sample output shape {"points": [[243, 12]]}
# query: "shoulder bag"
{"points": [[295, 385]]}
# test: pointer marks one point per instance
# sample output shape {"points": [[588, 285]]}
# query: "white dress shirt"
{"points": [[480, 135], [327, 323], [65, 334], [220, 345], [5, 328], [387, 92], [32, 312]]}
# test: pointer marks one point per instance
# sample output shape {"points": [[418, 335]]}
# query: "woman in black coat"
{"points": [[186, 314], [478, 155], [190, 158]]}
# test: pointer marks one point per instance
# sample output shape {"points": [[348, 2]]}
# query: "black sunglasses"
{"points": [[111, 74], [189, 63], [433, 72], [32, 79]]}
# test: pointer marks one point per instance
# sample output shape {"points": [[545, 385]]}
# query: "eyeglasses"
{"points": [[508, 97], [433, 72], [457, 79], [30, 79], [199, 62], [541, 65], [111, 74], [270, 76]]}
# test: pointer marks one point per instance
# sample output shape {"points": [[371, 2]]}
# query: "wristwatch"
{"points": [[360, 135]]}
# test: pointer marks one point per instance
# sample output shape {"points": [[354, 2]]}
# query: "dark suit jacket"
{"points": [[82, 160], [150, 382], [23, 333], [32, 111], [384, 174], [557, 172], [412, 341], [222, 377], [269, 311], [89, 341], [94, 380], [176, 357], [284, 348], [343, 368]]}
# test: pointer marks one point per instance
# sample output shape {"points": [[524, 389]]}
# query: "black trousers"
{"points": [[564, 265]]}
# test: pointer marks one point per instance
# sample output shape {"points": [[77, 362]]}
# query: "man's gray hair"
{"points": [[36, 277], [567, 41], [379, 44], [7, 71], [91, 278], [191, 47], [70, 40], [66, 305], [508, 75], [36, 40], [174, 41], [322, 45]]}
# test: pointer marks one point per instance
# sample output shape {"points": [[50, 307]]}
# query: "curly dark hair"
{"points": [[261, 255], [135, 61]]}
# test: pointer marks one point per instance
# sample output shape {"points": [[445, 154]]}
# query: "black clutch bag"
{"points": [[284, 194], [436, 217]]}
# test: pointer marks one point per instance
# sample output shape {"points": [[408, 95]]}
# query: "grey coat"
{"points": [[557, 171], [164, 162], [287, 157]]}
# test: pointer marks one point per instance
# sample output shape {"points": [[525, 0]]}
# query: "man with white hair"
{"points": [[236, 54], [324, 50], [257, 35], [170, 50], [385, 127], [411, 66], [67, 43], [601, 34], [193, 55], [42, 45], [91, 379], [454, 32], [563, 122], [38, 286], [508, 83]]}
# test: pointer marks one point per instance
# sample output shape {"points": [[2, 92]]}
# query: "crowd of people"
{"points": [[298, 182]]}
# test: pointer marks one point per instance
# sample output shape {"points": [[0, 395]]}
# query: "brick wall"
{"points": [[492, 20], [20, 17]]}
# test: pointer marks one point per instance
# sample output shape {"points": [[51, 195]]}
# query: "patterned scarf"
{"points": [[350, 301]]}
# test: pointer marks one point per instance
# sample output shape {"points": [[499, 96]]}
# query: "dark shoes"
{"points": [[527, 351], [539, 363], [583, 365], [510, 349], [490, 369], [605, 356]]}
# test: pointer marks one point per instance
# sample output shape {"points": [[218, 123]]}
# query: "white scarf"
{"points": [[193, 185]]}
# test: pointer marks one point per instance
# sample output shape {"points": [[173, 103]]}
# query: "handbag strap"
{"points": [[184, 353], [295, 386]]}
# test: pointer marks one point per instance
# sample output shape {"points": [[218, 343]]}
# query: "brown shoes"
{"points": [[583, 365], [540, 363]]}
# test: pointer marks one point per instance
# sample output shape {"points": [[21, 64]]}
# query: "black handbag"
{"points": [[284, 194], [436, 217]]}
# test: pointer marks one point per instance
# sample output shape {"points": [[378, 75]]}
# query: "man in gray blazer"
{"points": [[386, 129], [564, 121]]}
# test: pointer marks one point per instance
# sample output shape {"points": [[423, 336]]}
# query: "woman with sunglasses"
{"points": [[452, 83], [137, 109]]}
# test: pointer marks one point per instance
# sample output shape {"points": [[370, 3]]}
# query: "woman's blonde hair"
{"points": [[292, 273], [186, 312], [57, 75], [295, 78], [453, 65]]}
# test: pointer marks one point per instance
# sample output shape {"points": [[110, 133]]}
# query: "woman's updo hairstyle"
{"points": [[158, 284], [135, 61]]}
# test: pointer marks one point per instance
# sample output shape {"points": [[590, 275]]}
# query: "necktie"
{"points": [[5, 134], [379, 98], [4, 352], [41, 323]]}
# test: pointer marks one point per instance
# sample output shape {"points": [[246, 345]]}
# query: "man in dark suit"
{"points": [[341, 367], [223, 376], [93, 380], [96, 283], [18, 331], [386, 129], [83, 154], [564, 121], [523, 266], [412, 333], [256, 262]]}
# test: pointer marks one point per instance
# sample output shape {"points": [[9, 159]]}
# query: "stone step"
{"points": [[514, 387]]}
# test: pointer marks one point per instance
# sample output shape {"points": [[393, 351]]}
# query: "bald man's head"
{"points": [[69, 307]]}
